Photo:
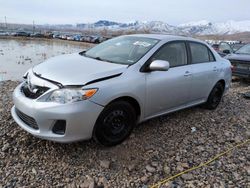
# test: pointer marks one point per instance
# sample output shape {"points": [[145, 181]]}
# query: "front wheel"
{"points": [[115, 123], [215, 97]]}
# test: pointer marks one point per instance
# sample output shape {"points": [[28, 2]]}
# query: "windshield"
{"points": [[244, 50], [122, 50]]}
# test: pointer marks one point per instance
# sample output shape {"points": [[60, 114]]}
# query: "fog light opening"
{"points": [[59, 127]]}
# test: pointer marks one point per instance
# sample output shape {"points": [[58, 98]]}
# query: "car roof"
{"points": [[164, 37]]}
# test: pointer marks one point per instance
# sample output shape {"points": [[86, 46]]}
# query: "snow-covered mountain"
{"points": [[156, 27], [202, 27], [205, 27]]}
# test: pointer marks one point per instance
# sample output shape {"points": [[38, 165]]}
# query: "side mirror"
{"points": [[226, 52], [159, 65]]}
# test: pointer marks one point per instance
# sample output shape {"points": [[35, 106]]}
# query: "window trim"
{"points": [[208, 50], [145, 66]]}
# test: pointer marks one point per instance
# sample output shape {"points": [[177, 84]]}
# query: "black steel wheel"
{"points": [[115, 123], [215, 96]]}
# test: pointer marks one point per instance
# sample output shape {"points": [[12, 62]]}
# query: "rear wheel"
{"points": [[115, 123], [215, 96]]}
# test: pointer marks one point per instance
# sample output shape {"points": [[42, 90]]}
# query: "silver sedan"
{"points": [[105, 91]]}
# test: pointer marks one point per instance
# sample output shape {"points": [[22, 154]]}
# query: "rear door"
{"points": [[167, 90], [205, 71]]}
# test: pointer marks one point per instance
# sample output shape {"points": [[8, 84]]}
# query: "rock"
{"points": [[179, 168], [131, 167], [166, 169], [5, 147], [191, 184], [103, 181], [105, 164], [34, 171], [248, 134], [227, 134], [89, 183], [150, 169], [247, 168], [185, 165], [72, 185], [236, 175], [177, 158], [155, 164], [200, 148], [168, 184], [237, 139], [187, 176], [144, 179], [92, 184]]}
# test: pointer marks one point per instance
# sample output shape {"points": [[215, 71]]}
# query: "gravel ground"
{"points": [[157, 149]]}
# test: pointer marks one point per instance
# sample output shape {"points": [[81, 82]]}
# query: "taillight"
{"points": [[232, 68]]}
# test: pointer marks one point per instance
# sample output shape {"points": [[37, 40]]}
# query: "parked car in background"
{"points": [[77, 37], [87, 38], [240, 61], [64, 36], [37, 35], [21, 34], [237, 46], [56, 36], [48, 35], [95, 39], [70, 37], [223, 48], [117, 84], [102, 39], [4, 33], [215, 47]]}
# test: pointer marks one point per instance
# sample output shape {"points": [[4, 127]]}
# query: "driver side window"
{"points": [[175, 53]]}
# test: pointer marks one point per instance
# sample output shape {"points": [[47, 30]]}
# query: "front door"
{"points": [[167, 90]]}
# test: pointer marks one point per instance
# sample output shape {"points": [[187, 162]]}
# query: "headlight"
{"points": [[68, 95]]}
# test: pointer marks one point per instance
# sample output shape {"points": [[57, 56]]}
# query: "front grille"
{"points": [[31, 122], [37, 91]]}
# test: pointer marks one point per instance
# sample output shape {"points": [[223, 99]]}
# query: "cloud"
{"points": [[78, 11]]}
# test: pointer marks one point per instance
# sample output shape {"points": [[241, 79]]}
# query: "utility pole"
{"points": [[5, 19], [33, 26]]}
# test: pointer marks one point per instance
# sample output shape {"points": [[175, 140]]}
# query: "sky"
{"points": [[173, 12]]}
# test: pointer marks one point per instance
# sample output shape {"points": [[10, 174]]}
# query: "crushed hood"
{"points": [[75, 69]]}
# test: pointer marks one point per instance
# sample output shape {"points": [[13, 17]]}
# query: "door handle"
{"points": [[215, 69], [187, 73]]}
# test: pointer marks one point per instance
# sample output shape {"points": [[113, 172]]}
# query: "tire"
{"points": [[215, 97], [115, 123]]}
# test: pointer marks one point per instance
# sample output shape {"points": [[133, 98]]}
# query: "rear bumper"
{"points": [[80, 117], [242, 74]]}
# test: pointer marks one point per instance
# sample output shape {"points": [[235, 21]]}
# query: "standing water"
{"points": [[17, 56]]}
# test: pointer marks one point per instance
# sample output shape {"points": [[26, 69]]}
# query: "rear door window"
{"points": [[200, 53]]}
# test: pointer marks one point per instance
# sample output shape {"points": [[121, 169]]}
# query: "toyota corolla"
{"points": [[103, 92]]}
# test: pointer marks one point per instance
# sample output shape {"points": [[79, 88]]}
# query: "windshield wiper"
{"points": [[98, 58], [101, 59]]}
